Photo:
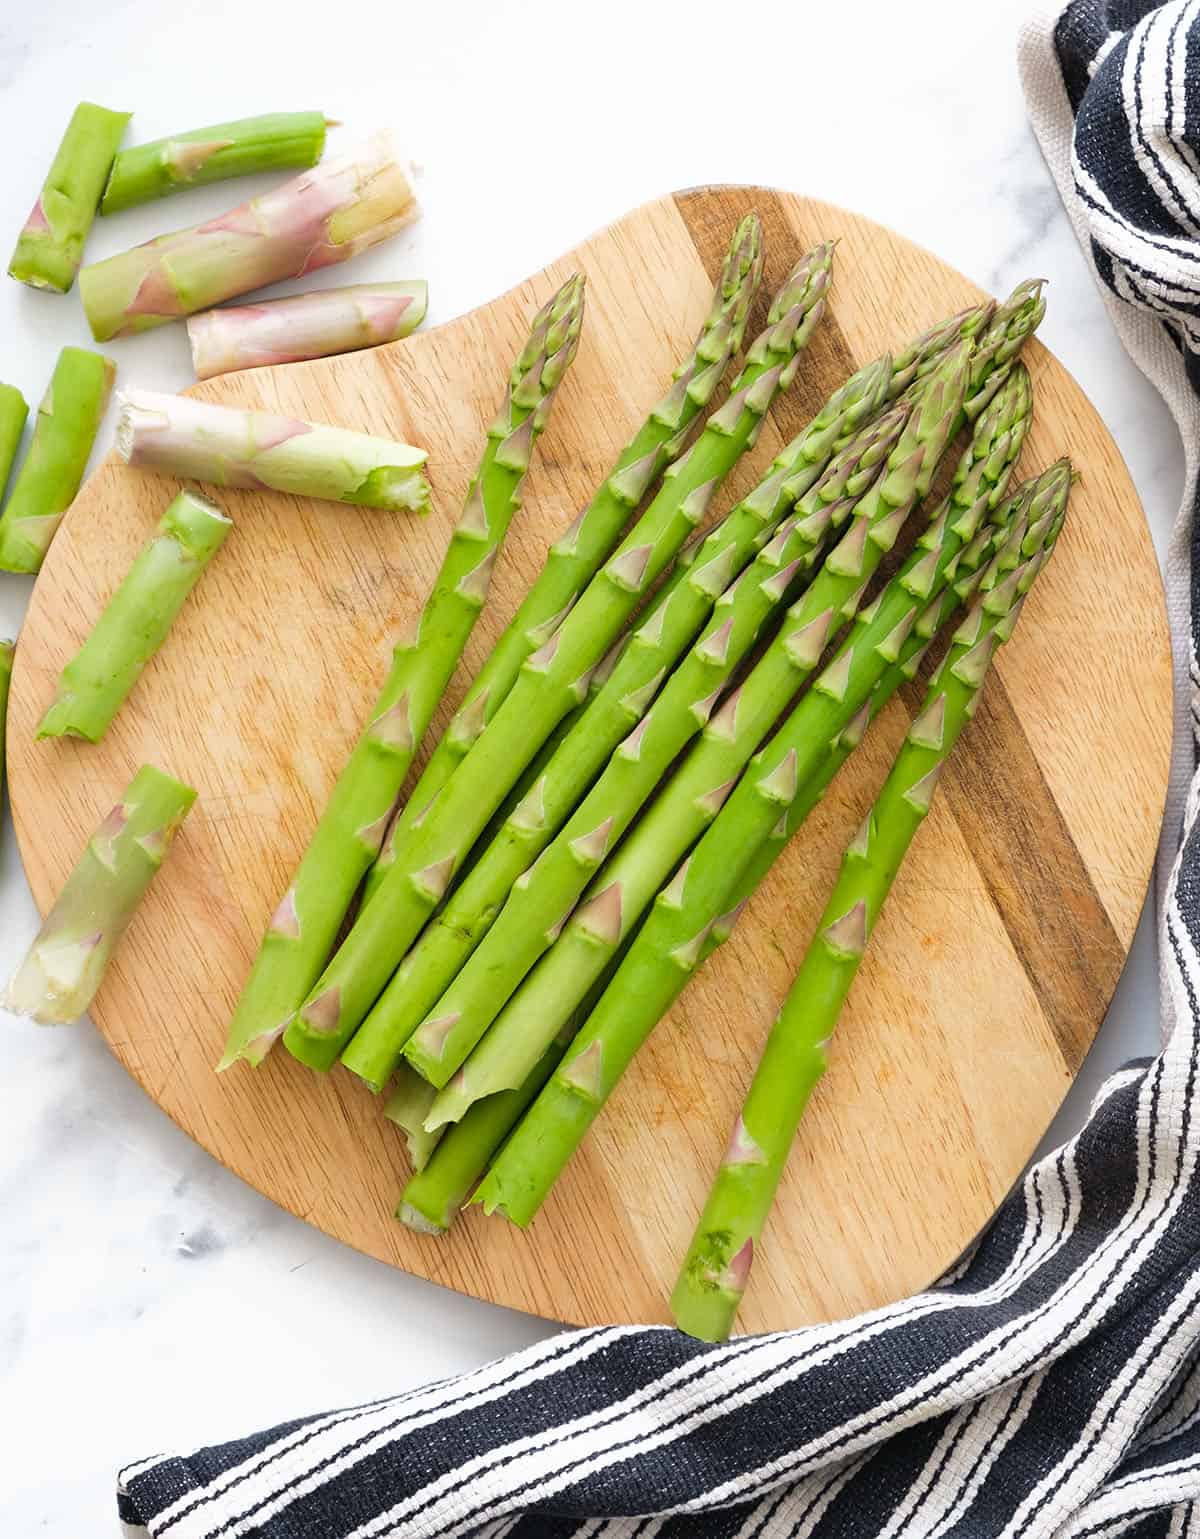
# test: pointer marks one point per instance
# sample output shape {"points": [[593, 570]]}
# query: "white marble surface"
{"points": [[148, 1298]]}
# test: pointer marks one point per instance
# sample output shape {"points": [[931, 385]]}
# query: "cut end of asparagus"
{"points": [[413, 1218]]}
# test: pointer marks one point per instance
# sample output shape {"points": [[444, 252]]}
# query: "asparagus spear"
{"points": [[135, 622], [552, 682], [544, 896], [717, 1266], [672, 943], [315, 325], [692, 799], [346, 838], [672, 623], [275, 141], [50, 247], [59, 977], [68, 420], [575, 557], [229, 446], [408, 1106], [13, 412], [322, 216], [7, 648]]}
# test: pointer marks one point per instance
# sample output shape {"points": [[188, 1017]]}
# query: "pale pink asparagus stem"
{"points": [[313, 325], [339, 208], [228, 446]]}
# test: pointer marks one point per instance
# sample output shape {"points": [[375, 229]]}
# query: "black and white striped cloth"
{"points": [[1051, 1384]]}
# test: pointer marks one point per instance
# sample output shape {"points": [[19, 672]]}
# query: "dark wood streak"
{"points": [[710, 222], [1037, 879]]}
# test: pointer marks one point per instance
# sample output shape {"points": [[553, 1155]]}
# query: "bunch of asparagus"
{"points": [[671, 699], [649, 732]]}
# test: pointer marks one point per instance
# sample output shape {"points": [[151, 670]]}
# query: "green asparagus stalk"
{"points": [[431, 1200], [718, 1262], [691, 800], [134, 624], [407, 1106], [50, 247], [68, 420], [553, 680], [346, 839], [174, 435], [544, 896], [315, 325], [275, 141], [673, 621], [672, 944], [59, 977], [7, 648], [13, 412], [323, 216], [574, 559]]}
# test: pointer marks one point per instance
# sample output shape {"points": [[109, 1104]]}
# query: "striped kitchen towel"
{"points": [[1051, 1384]]}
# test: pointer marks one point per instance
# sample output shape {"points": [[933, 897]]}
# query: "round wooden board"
{"points": [[989, 973]]}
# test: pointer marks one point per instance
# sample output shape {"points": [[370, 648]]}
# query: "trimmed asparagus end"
{"points": [[64, 967], [50, 247], [274, 141], [317, 325], [321, 217], [68, 420], [227, 446]]}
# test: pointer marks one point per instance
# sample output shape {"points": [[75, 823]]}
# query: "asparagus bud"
{"points": [[67, 423], [13, 412], [176, 436], [323, 216], [50, 247], [276, 141], [135, 623], [59, 977], [313, 325]]}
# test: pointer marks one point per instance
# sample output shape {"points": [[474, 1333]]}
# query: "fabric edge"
{"points": [[1145, 341]]}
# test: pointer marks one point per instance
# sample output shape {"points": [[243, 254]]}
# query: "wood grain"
{"points": [[990, 971]]}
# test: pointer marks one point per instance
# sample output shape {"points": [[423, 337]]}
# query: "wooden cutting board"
{"points": [[989, 973]]}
